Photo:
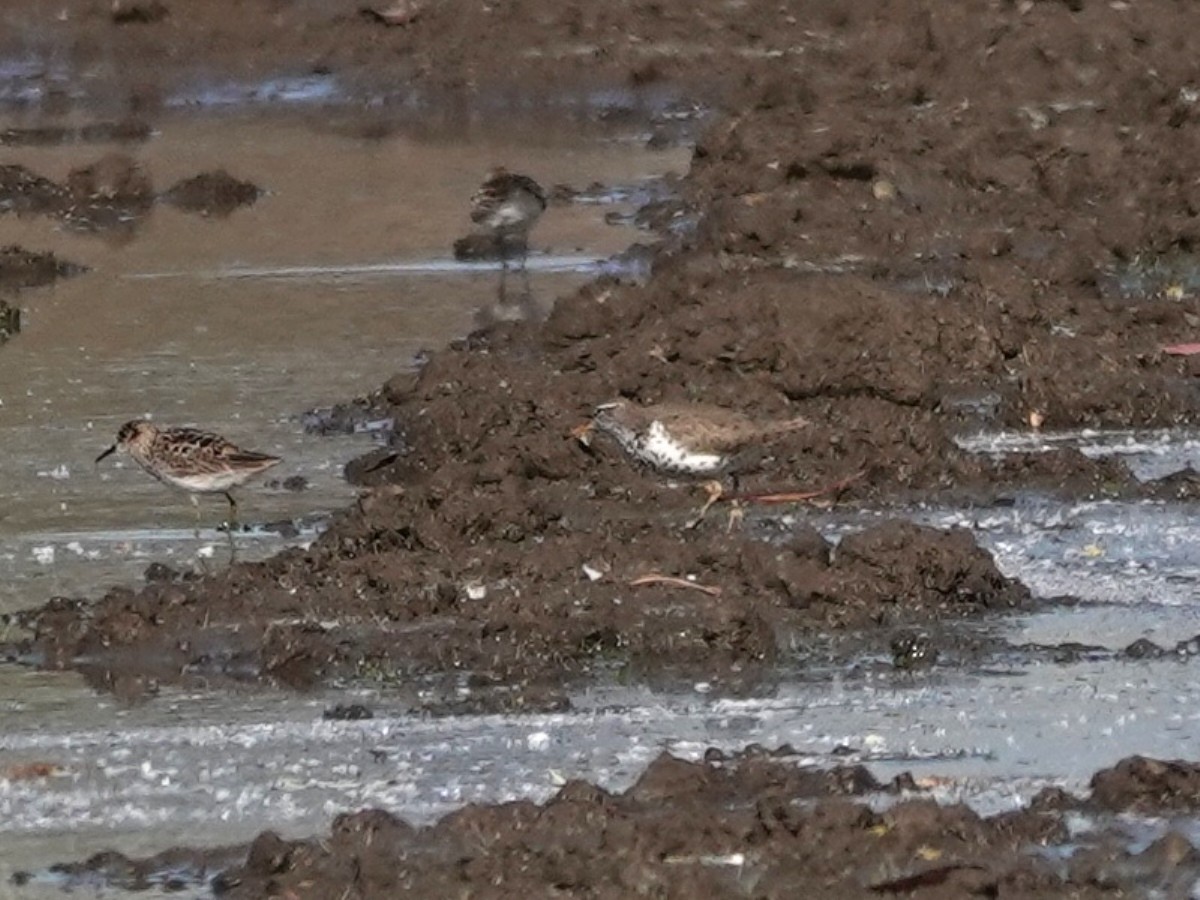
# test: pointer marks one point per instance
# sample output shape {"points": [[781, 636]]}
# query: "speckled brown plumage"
{"points": [[508, 204], [196, 461], [687, 438]]}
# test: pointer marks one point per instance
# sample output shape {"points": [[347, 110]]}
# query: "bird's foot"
{"points": [[737, 515], [715, 491]]}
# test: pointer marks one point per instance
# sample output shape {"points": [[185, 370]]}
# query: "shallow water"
{"points": [[1149, 453]]}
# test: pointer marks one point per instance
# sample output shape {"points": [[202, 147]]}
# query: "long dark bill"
{"points": [[108, 452]]}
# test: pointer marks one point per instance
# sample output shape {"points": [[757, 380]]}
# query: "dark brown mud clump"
{"points": [[21, 268], [1148, 786], [516, 608], [114, 194], [111, 194], [211, 193], [732, 827]]}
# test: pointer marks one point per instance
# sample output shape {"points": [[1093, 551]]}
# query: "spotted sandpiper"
{"points": [[692, 439]]}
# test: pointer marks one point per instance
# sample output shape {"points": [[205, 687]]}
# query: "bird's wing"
{"points": [[713, 429], [525, 183], [494, 192], [189, 451]]}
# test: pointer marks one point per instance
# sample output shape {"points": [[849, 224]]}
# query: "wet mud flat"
{"points": [[753, 824], [886, 243], [758, 822]]}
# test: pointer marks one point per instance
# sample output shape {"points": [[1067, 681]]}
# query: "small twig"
{"points": [[797, 496], [672, 581]]}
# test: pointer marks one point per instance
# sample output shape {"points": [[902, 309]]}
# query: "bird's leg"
{"points": [[525, 260], [737, 512], [203, 564], [229, 526], [503, 296], [715, 491]]}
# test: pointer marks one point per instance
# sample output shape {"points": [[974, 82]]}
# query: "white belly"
{"points": [[208, 483], [661, 450], [510, 214]]}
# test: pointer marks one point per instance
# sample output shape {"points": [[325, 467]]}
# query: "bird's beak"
{"points": [[111, 450], [583, 433]]}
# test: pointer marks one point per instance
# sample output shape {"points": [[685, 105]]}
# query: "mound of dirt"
{"points": [[546, 591], [211, 193], [115, 194], [1147, 786], [109, 195], [21, 268]]}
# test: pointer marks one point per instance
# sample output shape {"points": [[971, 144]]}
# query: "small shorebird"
{"points": [[199, 462], [686, 438], [507, 205]]}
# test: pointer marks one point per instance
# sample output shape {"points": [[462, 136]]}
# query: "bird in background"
{"points": [[507, 206]]}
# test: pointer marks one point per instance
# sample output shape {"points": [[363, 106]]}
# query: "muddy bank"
{"points": [[527, 601], [1008, 186], [900, 226], [885, 243], [752, 823]]}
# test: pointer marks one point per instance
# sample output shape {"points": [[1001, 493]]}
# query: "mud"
{"points": [[170, 871], [211, 193], [1147, 786], [114, 194], [110, 195], [753, 824], [900, 225], [21, 268], [533, 602], [877, 246], [126, 131]]}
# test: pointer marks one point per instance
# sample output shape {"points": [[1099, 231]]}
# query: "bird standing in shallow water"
{"points": [[199, 462], [687, 438], [508, 205]]}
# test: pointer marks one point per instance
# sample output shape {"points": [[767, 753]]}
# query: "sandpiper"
{"points": [[199, 462], [692, 439], [507, 205]]}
